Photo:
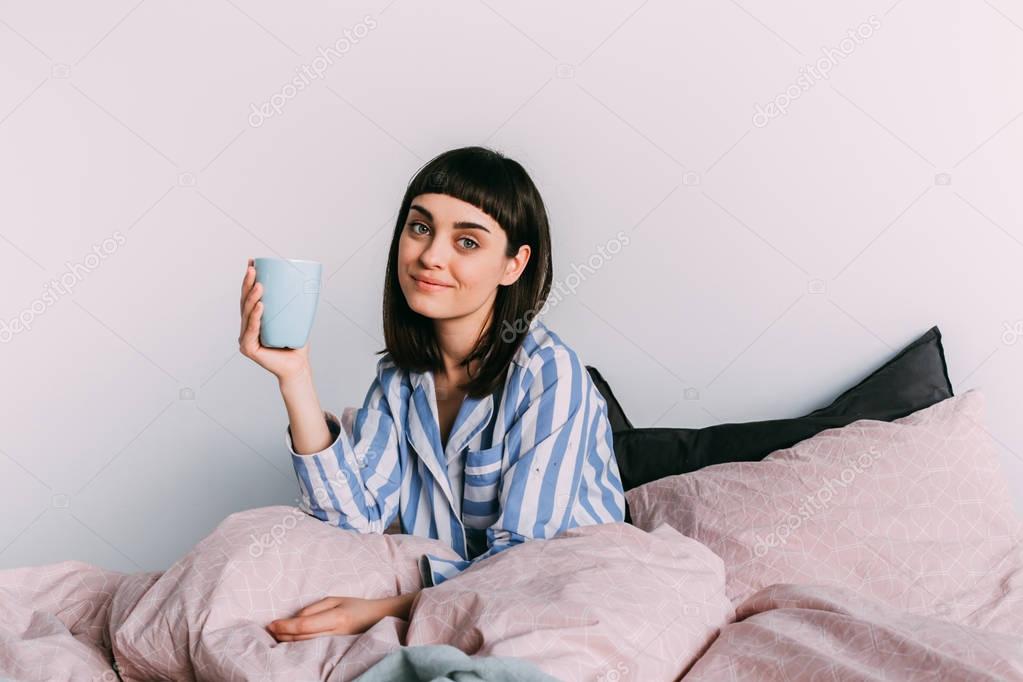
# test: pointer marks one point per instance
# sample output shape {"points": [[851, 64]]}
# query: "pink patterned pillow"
{"points": [[915, 512]]}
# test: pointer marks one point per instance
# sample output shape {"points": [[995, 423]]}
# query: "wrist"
{"points": [[399, 606], [298, 380]]}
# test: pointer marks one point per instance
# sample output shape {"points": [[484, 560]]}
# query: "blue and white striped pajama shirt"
{"points": [[543, 465]]}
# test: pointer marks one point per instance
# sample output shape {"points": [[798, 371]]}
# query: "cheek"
{"points": [[480, 276], [406, 250]]}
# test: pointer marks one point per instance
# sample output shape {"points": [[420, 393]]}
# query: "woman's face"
{"points": [[459, 247]]}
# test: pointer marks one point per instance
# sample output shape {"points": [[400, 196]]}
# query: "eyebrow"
{"points": [[460, 225]]}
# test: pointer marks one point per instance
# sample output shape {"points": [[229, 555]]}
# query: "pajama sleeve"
{"points": [[353, 483], [546, 448]]}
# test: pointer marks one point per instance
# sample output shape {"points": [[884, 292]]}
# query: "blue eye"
{"points": [[475, 245]]}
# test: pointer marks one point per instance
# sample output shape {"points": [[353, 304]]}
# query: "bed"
{"points": [[878, 545]]}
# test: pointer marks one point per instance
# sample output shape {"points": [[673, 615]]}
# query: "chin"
{"points": [[418, 305]]}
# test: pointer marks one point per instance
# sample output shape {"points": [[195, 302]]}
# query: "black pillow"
{"points": [[615, 413], [917, 377]]}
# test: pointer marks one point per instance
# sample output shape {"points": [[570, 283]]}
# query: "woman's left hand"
{"points": [[331, 616]]}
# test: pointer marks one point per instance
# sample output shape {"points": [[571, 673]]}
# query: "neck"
{"points": [[456, 338]]}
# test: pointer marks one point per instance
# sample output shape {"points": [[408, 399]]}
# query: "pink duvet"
{"points": [[610, 602], [55, 619], [596, 602]]}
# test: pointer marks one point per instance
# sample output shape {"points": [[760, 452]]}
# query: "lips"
{"points": [[430, 281]]}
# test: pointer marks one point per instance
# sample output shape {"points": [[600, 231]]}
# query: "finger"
{"points": [[299, 638], [323, 621], [255, 293], [247, 311], [247, 281], [304, 625], [317, 607], [249, 341], [250, 275]]}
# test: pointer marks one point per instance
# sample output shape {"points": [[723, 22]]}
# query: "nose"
{"points": [[435, 254]]}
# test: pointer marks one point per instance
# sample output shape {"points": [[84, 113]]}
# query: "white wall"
{"points": [[770, 263]]}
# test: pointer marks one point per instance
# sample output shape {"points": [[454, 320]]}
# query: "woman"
{"points": [[482, 428]]}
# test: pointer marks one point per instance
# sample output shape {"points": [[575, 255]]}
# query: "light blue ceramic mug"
{"points": [[291, 291]]}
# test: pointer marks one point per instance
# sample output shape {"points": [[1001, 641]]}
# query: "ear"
{"points": [[516, 266]]}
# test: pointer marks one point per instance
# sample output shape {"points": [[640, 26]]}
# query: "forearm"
{"points": [[309, 430]]}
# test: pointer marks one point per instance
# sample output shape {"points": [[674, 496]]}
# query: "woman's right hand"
{"points": [[284, 363]]}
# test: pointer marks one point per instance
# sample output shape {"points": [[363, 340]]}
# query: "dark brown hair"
{"points": [[502, 189]]}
